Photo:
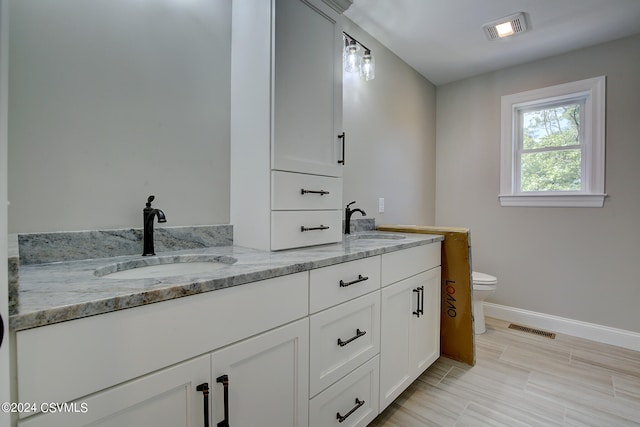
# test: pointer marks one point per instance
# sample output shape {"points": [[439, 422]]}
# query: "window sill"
{"points": [[554, 200]]}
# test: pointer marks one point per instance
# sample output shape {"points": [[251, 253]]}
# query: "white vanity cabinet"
{"points": [[329, 346], [410, 331], [154, 354], [286, 121]]}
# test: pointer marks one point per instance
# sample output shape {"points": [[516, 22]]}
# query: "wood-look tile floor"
{"points": [[521, 379]]}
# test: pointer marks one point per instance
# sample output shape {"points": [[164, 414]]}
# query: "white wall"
{"points": [[577, 263], [390, 128], [111, 101]]}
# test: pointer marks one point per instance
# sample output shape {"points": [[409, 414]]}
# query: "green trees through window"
{"points": [[551, 150]]}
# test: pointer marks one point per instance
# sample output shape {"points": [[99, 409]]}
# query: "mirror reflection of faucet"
{"points": [[347, 217], [148, 215]]}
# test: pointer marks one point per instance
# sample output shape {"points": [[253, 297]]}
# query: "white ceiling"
{"points": [[444, 41]]}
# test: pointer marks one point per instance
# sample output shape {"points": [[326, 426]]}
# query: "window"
{"points": [[552, 151]]}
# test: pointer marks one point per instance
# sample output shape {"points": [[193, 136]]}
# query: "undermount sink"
{"points": [[164, 266], [376, 236]]}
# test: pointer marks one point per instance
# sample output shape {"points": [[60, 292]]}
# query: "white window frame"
{"points": [[592, 118]]}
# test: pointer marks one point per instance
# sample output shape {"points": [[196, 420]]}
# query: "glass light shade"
{"points": [[367, 67], [351, 57]]}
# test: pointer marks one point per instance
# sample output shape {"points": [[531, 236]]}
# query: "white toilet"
{"points": [[483, 286]]}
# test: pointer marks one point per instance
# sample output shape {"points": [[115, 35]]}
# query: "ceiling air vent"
{"points": [[507, 26]]}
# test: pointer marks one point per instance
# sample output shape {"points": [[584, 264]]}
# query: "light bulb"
{"points": [[505, 29], [367, 66], [351, 58]]}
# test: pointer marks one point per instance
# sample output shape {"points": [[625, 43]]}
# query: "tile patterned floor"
{"points": [[522, 379]]}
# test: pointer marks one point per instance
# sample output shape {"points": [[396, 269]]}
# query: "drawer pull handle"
{"points": [[360, 278], [321, 227], [358, 334], [419, 301], [320, 192], [204, 388], [341, 418], [224, 380]]}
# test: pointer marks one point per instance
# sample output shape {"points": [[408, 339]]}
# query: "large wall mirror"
{"points": [[113, 100]]}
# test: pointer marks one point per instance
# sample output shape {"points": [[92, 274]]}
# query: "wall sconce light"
{"points": [[354, 63]]}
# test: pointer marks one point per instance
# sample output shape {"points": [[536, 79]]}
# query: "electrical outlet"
{"points": [[381, 205]]}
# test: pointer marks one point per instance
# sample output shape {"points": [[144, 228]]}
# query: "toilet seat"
{"points": [[483, 279]]}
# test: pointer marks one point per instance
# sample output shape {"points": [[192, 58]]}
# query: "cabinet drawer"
{"points": [[340, 398], [329, 286], [409, 262], [342, 338], [57, 363], [286, 228], [297, 191]]}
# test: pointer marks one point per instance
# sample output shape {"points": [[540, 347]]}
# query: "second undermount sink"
{"points": [[164, 266], [381, 236]]}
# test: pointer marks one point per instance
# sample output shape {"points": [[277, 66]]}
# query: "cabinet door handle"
{"points": [[360, 278], [341, 418], [343, 137], [320, 192], [320, 227], [1, 329], [418, 311], [204, 388], [358, 334], [224, 380], [421, 309]]}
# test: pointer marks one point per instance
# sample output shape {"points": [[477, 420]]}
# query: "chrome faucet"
{"points": [[347, 217], [148, 214]]}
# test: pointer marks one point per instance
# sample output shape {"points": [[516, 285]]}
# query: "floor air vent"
{"points": [[528, 330]]}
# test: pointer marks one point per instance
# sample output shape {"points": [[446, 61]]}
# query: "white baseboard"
{"points": [[562, 325]]}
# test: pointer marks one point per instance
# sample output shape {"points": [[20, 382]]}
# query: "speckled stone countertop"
{"points": [[61, 291]]}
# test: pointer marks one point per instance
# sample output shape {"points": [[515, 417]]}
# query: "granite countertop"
{"points": [[60, 291]]}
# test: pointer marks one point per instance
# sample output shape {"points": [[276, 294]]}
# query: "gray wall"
{"points": [[390, 127], [577, 263], [111, 101]]}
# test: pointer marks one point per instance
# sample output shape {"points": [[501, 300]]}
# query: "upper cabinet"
{"points": [[307, 88], [286, 122]]}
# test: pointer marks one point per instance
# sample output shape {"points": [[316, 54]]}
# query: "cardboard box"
{"points": [[457, 339]]}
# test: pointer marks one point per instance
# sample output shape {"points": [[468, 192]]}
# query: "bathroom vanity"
{"points": [[302, 337]]}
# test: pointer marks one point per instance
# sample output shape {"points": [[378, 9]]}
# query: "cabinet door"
{"points": [[410, 339], [268, 379], [308, 88], [398, 304], [167, 398], [425, 332]]}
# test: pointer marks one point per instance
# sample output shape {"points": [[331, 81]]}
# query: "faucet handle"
{"points": [[149, 200], [349, 204]]}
